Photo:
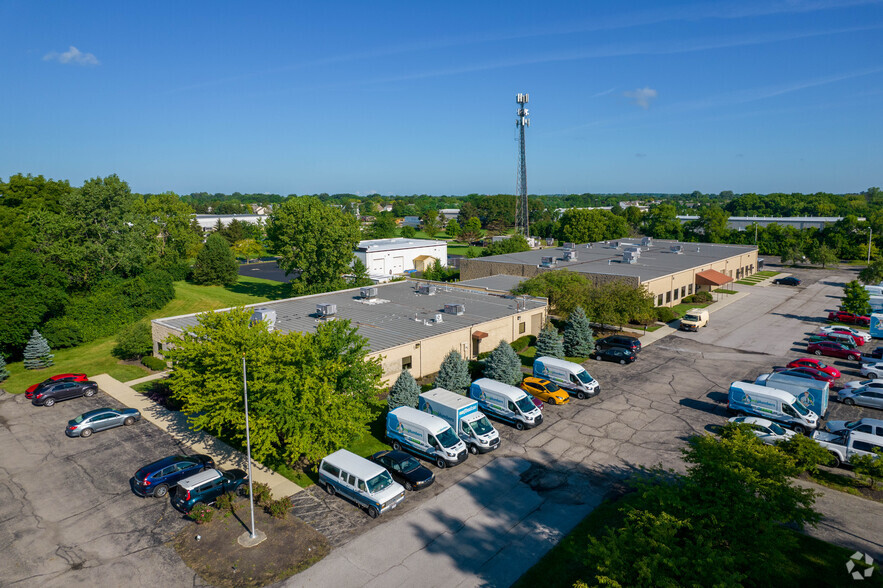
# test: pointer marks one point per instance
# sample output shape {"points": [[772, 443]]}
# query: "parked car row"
{"points": [[622, 349]]}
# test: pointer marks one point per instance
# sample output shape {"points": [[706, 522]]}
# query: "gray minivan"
{"points": [[366, 483]]}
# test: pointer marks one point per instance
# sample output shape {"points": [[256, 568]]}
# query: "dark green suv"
{"points": [[206, 486]]}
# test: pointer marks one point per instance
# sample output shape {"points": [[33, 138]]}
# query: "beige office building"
{"points": [[410, 325]]}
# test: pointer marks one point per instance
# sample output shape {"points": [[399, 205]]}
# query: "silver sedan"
{"points": [[864, 396], [99, 420]]}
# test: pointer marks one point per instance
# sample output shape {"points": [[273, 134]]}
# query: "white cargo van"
{"points": [[505, 402], [694, 319], [365, 483], [568, 375], [746, 398], [461, 412], [425, 435]]}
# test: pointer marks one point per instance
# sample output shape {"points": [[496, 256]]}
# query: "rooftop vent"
{"points": [[569, 246], [456, 309], [547, 261], [629, 257], [428, 289], [647, 242], [569, 255], [679, 249], [264, 315], [368, 293], [633, 249], [439, 318], [613, 244], [326, 310]]}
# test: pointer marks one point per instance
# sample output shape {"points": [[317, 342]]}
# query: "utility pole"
{"points": [[522, 212]]}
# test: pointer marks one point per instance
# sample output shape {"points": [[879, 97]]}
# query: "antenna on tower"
{"points": [[522, 213]]}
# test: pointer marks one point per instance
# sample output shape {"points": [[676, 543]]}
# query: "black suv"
{"points": [[63, 391], [155, 479], [206, 486], [623, 341]]}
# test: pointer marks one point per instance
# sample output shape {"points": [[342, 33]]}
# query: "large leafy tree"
{"points": [[872, 274], [316, 242], [661, 222], [453, 374], [168, 224], [431, 223], [712, 224], [584, 226], [513, 244], [215, 264], [855, 298], [309, 393], [503, 365], [471, 231]]}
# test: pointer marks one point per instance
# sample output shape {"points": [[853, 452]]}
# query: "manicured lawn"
{"points": [[722, 291], [812, 563], [528, 354], [683, 307], [95, 358]]}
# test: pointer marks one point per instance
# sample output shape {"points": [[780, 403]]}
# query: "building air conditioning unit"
{"points": [[679, 249], [325, 310], [629, 257], [264, 315], [455, 309], [439, 318], [569, 255], [550, 241], [647, 242], [634, 249], [547, 261], [368, 293], [569, 246], [428, 289]]}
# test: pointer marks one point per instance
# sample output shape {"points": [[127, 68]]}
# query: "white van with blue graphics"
{"points": [[461, 412], [776, 405], [568, 375], [505, 402], [367, 484], [424, 435]]}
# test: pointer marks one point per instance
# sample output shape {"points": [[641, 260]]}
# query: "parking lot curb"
{"points": [[175, 424]]}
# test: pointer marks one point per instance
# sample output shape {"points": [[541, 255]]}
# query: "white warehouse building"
{"points": [[392, 257]]}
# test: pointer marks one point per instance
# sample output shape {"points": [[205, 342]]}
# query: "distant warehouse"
{"points": [[669, 269], [411, 324]]}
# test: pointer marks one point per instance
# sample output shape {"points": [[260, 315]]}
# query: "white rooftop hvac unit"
{"points": [[633, 249], [326, 309], [428, 289], [569, 246], [570, 255], [629, 257], [368, 293], [264, 315], [679, 249], [457, 309], [647, 242], [547, 261], [550, 241]]}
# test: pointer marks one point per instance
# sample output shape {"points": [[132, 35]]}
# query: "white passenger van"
{"points": [[367, 484], [505, 402]]}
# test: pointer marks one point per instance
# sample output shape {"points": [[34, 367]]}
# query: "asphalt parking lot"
{"points": [[68, 513]]}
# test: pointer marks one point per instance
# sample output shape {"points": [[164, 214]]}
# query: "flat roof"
{"points": [[399, 315], [396, 243], [605, 258], [499, 282]]}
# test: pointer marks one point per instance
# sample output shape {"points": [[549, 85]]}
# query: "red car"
{"points": [[849, 318], [816, 364], [832, 349], [29, 393], [805, 372]]}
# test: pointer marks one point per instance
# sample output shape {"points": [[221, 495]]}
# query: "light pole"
{"points": [[870, 232], [252, 537]]}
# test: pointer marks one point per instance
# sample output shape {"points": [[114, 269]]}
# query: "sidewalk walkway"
{"points": [[175, 424], [726, 300], [150, 378], [849, 521]]}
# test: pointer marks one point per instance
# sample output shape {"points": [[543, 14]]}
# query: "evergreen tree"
{"points": [[359, 275], [855, 298], [549, 343], [215, 263], [37, 353], [404, 392], [578, 337], [503, 365], [453, 374], [4, 373]]}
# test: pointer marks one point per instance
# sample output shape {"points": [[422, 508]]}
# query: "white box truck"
{"points": [[461, 412], [424, 435], [568, 375], [694, 319], [505, 402], [746, 398], [810, 392]]}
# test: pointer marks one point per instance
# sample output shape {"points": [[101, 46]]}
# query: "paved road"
{"points": [[268, 270]]}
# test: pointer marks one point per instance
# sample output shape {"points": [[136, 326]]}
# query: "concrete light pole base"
{"points": [[246, 540]]}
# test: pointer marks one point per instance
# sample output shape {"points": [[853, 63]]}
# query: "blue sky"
{"points": [[419, 98]]}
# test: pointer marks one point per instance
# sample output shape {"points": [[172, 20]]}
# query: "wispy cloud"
{"points": [[603, 93], [642, 96], [72, 56]]}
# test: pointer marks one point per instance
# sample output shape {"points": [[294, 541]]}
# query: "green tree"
{"points": [[4, 373], [453, 229], [565, 289], [792, 254], [873, 274], [430, 223], [549, 342], [472, 252], [384, 227], [309, 394], [408, 232], [661, 222], [584, 226], [215, 263], [404, 392], [806, 453], [471, 231], [869, 468], [503, 365], [316, 242], [513, 244], [37, 354], [453, 374], [713, 224], [823, 255], [359, 275], [247, 249], [579, 340], [134, 341], [855, 298]]}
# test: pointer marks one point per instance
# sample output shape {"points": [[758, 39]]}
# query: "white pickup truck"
{"points": [[842, 445]]}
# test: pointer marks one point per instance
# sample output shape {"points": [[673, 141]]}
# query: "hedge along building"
{"points": [[410, 324], [669, 270]]}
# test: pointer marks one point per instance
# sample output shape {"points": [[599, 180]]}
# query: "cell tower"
{"points": [[522, 221]]}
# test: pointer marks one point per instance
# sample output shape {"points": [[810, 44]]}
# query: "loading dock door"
{"points": [[398, 265], [377, 266]]}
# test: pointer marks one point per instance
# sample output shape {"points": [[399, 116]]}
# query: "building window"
{"points": [[675, 293], [659, 301], [690, 289], [521, 328], [406, 363], [683, 291], [159, 346], [668, 297]]}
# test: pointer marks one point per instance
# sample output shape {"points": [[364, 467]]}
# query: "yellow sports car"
{"points": [[545, 390]]}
